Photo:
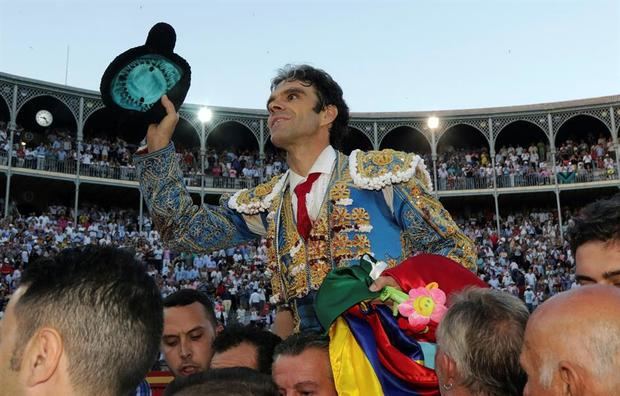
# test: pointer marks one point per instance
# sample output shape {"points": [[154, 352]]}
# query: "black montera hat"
{"points": [[134, 82]]}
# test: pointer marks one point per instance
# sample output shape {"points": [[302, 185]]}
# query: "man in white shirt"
{"points": [[528, 297], [530, 278], [268, 171], [255, 299]]}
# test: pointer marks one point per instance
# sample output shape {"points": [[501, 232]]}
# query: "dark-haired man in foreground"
{"points": [[189, 330], [327, 211], [86, 322], [301, 366], [595, 241], [244, 346], [231, 381]]}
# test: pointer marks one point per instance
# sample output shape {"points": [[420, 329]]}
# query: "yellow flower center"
{"points": [[424, 305]]}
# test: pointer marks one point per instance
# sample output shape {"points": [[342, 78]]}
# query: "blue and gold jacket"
{"points": [[377, 202]]}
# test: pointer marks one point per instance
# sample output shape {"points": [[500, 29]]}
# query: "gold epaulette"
{"points": [[374, 170], [258, 199]]}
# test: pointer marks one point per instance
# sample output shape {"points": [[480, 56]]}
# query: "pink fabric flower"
{"points": [[424, 304]]}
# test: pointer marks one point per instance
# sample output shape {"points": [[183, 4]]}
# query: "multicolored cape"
{"points": [[374, 352]]}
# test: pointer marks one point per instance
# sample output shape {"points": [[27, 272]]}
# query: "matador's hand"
{"points": [[158, 135], [379, 284], [383, 281]]}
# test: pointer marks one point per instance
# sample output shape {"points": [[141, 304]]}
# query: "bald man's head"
{"points": [[573, 340]]}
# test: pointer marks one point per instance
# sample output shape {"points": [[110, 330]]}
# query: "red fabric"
{"points": [[423, 378], [304, 225], [420, 270]]}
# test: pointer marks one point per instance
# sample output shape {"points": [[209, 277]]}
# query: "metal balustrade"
{"points": [[193, 179], [127, 173], [456, 183]]}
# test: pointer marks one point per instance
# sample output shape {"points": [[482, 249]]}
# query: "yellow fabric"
{"points": [[353, 373]]}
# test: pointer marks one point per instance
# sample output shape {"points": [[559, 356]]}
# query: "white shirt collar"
{"points": [[323, 164]]}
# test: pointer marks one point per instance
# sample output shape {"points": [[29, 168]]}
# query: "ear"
{"points": [[445, 365], [572, 381], [330, 112], [42, 356]]}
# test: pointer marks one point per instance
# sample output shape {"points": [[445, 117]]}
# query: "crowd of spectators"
{"points": [[58, 151], [234, 277], [527, 165], [525, 263], [528, 258], [585, 157], [588, 159], [110, 158], [228, 165]]}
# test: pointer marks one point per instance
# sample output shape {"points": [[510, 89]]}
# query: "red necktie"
{"points": [[304, 225]]}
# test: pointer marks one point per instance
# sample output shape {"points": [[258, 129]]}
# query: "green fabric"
{"points": [[341, 289]]}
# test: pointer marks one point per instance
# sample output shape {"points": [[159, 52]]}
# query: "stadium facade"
{"points": [[458, 131]]}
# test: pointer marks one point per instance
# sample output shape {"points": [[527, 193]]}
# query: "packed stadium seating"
{"points": [[529, 243], [102, 157]]}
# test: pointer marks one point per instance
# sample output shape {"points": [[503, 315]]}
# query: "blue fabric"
{"points": [[429, 351], [363, 335], [307, 314], [405, 344], [183, 225], [385, 234], [144, 389]]}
